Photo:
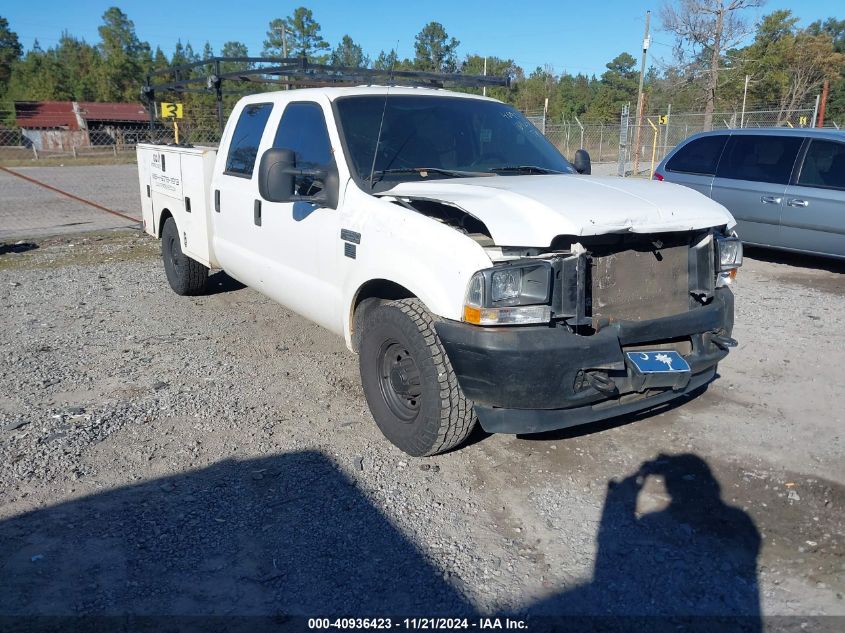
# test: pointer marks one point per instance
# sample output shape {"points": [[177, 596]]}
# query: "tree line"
{"points": [[786, 64]]}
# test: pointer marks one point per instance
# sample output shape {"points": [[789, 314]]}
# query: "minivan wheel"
{"points": [[185, 275], [408, 381]]}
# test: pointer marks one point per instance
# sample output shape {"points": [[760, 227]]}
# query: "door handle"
{"points": [[771, 200], [256, 213], [217, 200], [797, 202]]}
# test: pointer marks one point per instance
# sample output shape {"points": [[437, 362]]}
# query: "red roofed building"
{"points": [[65, 125], [115, 112], [46, 114]]}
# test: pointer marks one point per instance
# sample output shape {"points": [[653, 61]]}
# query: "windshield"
{"points": [[450, 137]]}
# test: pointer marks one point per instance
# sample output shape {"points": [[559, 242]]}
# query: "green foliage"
{"points": [[434, 50], [348, 53], [386, 61], [124, 57], [303, 37], [618, 85], [835, 30], [234, 49], [10, 51], [496, 67], [787, 65]]}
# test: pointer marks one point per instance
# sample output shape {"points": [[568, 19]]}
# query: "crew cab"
{"points": [[478, 276]]}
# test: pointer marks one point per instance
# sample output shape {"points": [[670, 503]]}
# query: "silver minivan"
{"points": [[785, 187]]}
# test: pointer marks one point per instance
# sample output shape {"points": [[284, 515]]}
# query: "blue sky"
{"points": [[571, 36]]}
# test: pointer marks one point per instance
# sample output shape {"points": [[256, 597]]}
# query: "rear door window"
{"points": [[824, 165], [759, 158], [699, 156], [243, 149]]}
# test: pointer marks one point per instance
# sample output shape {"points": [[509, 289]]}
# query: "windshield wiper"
{"points": [[527, 169], [458, 173]]}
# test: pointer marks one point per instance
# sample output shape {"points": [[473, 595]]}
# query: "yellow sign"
{"points": [[663, 119], [802, 121], [171, 110]]}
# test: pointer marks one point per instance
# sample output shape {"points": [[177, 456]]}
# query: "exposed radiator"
{"points": [[640, 283]]}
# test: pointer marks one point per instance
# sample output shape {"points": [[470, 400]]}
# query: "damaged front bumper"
{"points": [[541, 378]]}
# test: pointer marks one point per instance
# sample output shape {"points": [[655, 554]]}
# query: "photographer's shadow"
{"points": [[691, 564]]}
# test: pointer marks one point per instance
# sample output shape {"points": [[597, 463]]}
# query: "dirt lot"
{"points": [[215, 456]]}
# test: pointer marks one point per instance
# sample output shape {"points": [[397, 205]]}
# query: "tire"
{"points": [[185, 275], [409, 383]]}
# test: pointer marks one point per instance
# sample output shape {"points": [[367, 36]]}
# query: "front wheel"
{"points": [[185, 275], [409, 383]]}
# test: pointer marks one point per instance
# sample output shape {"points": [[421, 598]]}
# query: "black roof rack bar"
{"points": [[302, 68], [209, 61], [295, 71]]}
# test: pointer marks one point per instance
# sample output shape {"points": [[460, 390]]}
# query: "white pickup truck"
{"points": [[478, 275]]}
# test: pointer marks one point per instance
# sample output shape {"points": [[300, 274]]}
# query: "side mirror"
{"points": [[582, 162], [277, 174]]}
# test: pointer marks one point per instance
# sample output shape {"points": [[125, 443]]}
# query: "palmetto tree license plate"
{"points": [[658, 362]]}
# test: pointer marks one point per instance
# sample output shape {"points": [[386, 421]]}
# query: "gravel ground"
{"points": [[215, 455]]}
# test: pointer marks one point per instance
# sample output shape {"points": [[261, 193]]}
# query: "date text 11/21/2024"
{"points": [[417, 623]]}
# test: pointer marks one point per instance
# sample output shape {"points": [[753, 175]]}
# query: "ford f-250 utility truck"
{"points": [[476, 273]]}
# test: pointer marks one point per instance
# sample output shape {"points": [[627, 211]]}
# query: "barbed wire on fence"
{"points": [[659, 134]]}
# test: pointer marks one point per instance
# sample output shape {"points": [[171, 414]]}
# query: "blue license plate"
{"points": [[658, 362]]}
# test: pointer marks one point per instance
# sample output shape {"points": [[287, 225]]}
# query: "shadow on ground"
{"points": [[17, 247], [291, 534], [798, 260], [696, 557], [219, 283]]}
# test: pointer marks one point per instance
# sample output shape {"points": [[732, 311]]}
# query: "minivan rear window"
{"points": [[824, 165], [759, 158], [699, 156]]}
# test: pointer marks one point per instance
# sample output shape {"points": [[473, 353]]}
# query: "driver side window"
{"points": [[303, 130]]}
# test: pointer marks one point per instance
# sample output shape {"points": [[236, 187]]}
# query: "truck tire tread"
{"points": [[456, 415], [188, 277]]}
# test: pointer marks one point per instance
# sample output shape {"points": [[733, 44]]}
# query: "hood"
{"points": [[533, 210]]}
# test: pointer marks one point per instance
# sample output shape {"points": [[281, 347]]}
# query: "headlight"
{"points": [[729, 253], [506, 284], [511, 294]]}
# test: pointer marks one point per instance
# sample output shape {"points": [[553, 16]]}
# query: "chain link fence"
{"points": [[51, 137], [612, 145], [609, 144]]}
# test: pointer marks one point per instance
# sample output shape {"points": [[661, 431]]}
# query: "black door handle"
{"points": [[217, 200], [256, 213]]}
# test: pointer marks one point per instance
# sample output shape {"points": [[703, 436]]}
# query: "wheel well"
{"points": [[165, 213], [370, 295]]}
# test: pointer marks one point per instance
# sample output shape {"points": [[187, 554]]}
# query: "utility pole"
{"points": [[640, 104], [744, 95], [284, 34], [484, 89], [823, 104]]}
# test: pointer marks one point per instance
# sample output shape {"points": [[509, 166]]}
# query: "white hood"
{"points": [[532, 210]]}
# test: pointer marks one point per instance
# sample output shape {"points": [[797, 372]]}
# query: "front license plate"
{"points": [[658, 362]]}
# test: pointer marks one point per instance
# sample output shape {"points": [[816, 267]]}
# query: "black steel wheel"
{"points": [[400, 379], [408, 381]]}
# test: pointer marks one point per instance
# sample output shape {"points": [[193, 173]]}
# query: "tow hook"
{"points": [[723, 342], [602, 382]]}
